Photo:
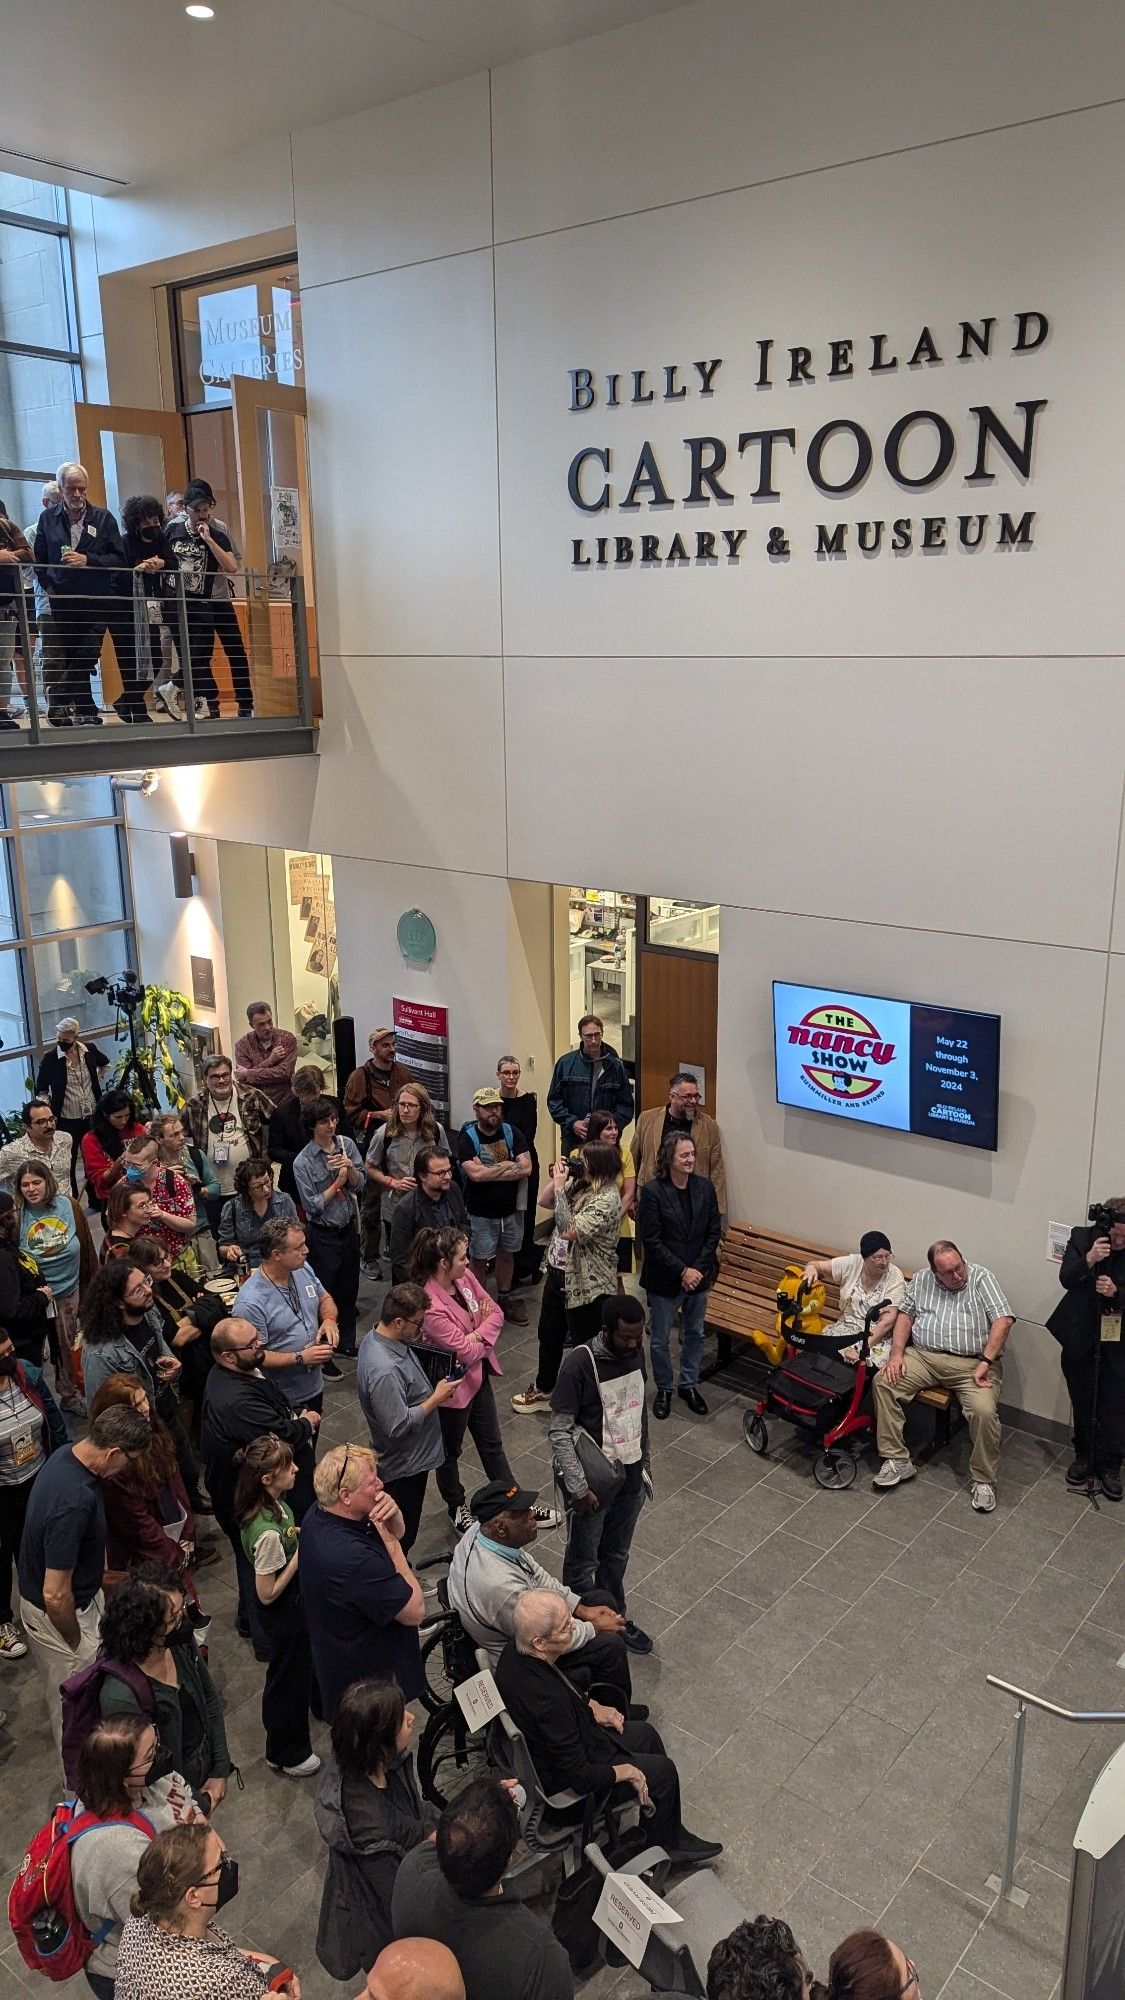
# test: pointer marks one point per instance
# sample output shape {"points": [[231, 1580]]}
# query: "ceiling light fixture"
{"points": [[199, 12]]}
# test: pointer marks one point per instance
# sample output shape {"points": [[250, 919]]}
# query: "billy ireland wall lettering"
{"points": [[920, 450]]}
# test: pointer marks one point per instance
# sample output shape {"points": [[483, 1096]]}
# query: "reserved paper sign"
{"points": [[480, 1700], [627, 1910]]}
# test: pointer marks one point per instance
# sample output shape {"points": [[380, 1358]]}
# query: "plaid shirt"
{"points": [[954, 1322], [253, 1110]]}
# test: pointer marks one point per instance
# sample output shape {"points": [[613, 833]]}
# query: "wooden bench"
{"points": [[743, 1300]]}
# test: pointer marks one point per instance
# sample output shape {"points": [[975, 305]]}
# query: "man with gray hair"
{"points": [[228, 1125], [83, 554], [578, 1743], [265, 1057], [957, 1322], [70, 1075]]}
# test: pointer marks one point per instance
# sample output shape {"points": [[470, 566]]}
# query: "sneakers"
{"points": [[331, 1371], [307, 1769], [531, 1399], [462, 1519], [893, 1471], [545, 1517], [636, 1641], [168, 695], [11, 1645], [984, 1498]]}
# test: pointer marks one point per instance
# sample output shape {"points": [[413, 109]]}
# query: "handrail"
{"points": [[1024, 1700], [1052, 1708]]}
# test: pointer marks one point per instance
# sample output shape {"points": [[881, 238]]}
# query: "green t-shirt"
{"points": [[269, 1541]]}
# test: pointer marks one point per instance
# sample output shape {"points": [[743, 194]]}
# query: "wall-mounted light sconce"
{"points": [[183, 865]]}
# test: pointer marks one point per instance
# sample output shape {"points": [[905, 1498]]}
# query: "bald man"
{"points": [[240, 1403], [414, 1969]]}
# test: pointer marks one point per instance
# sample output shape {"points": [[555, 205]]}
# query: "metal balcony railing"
{"points": [[1024, 1700], [118, 668]]}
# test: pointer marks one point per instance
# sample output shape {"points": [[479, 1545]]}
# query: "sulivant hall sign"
{"points": [[638, 491]]}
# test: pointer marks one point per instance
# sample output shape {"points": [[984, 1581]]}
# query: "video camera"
{"points": [[125, 994]]}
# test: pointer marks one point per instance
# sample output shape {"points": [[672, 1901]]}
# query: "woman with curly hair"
{"points": [[113, 1124], [760, 1960], [255, 1200], [144, 1625], [54, 1231], [148, 1515], [122, 1335], [588, 1218]]}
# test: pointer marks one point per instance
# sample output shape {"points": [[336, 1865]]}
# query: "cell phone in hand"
{"points": [[457, 1371]]}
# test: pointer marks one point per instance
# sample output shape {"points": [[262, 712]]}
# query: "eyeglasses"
{"points": [[911, 1978]]}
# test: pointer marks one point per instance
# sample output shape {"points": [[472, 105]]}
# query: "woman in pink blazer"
{"points": [[465, 1322]]}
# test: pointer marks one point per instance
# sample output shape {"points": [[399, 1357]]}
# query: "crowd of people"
{"points": [[192, 1350], [158, 585]]}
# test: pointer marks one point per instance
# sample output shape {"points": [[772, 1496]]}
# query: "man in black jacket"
{"points": [[679, 1226], [241, 1403], [83, 546], [71, 1075], [578, 1744], [437, 1203], [1093, 1281]]}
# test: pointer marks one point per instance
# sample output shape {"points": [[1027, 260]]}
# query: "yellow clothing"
{"points": [[628, 1173]]}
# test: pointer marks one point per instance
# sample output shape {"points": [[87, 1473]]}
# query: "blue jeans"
{"points": [[597, 1548], [661, 1314]]}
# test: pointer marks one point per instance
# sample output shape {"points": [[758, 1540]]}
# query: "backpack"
{"points": [[81, 1705], [473, 1136], [41, 1908]]}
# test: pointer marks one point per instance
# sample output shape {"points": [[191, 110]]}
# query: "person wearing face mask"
{"points": [[31, 1428], [70, 1077], [172, 1947], [115, 1784], [369, 1815], [145, 1626], [112, 1126]]}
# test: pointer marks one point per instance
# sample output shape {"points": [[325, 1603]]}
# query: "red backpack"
{"points": [[41, 1909]]}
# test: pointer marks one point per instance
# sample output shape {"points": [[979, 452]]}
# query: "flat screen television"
{"points": [[903, 1064]]}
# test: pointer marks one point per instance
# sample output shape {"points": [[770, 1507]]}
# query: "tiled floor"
{"points": [[819, 1675]]}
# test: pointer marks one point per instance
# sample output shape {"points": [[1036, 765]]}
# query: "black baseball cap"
{"points": [[496, 1498]]}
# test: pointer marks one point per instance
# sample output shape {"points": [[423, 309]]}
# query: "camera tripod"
{"points": [[136, 1072]]}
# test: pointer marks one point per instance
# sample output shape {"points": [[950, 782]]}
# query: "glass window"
{"points": [[24, 498], [35, 199], [74, 798], [246, 323], [62, 968], [36, 412], [9, 922], [34, 303], [73, 879], [682, 926], [13, 1005]]}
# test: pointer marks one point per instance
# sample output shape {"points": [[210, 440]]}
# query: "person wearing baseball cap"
{"points": [[496, 1159], [491, 1568]]}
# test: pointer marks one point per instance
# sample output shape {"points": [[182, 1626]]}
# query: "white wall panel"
{"points": [[1107, 1160], [408, 749], [890, 246], [741, 90], [402, 436], [960, 795], [227, 199], [830, 1181], [394, 185]]}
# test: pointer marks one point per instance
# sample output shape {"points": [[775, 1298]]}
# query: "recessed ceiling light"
{"points": [[199, 12]]}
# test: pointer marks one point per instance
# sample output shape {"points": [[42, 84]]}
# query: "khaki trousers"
{"points": [[926, 1368], [53, 1656]]}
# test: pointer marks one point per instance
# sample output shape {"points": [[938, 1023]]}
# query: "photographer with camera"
{"points": [[1087, 1325]]}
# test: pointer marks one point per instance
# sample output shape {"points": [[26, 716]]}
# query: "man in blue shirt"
{"points": [[329, 1175], [294, 1314], [361, 1599]]}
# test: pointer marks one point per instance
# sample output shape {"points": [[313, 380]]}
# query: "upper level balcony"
{"points": [[102, 676]]}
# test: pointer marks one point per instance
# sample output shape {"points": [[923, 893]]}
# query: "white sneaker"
{"points": [[893, 1472], [531, 1398], [201, 708], [11, 1645], [984, 1498], [545, 1517], [308, 1769], [168, 697], [462, 1520]]}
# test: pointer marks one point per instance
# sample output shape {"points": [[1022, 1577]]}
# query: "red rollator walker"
{"points": [[823, 1395]]}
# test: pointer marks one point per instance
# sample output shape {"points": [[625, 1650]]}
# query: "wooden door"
{"points": [[271, 457], [677, 1020]]}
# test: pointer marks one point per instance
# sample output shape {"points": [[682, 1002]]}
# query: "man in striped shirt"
{"points": [[956, 1319]]}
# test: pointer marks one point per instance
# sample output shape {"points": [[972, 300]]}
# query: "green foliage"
{"points": [[163, 1027]]}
